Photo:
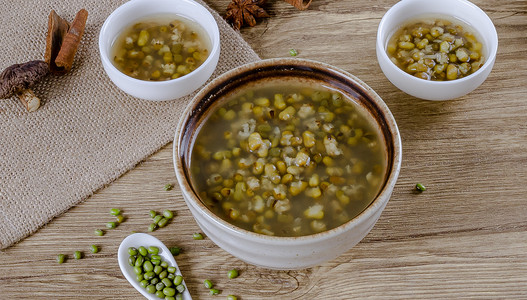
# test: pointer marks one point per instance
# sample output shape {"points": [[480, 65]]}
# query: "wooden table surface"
{"points": [[465, 237]]}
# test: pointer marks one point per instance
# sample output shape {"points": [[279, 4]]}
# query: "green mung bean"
{"points": [[144, 283], [158, 269], [149, 275], [168, 214], [167, 282], [214, 291], [420, 187], [208, 284], [162, 223], [115, 211], [132, 251], [139, 260], [175, 251], [98, 232], [142, 250], [119, 219], [131, 261], [159, 294], [233, 273], [77, 255], [111, 225], [163, 274], [160, 286], [94, 248], [180, 288], [151, 289], [152, 227], [138, 269], [153, 250], [61, 258], [147, 266], [156, 262], [168, 291], [157, 218]]}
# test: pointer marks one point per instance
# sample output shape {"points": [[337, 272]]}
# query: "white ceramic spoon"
{"points": [[142, 239]]}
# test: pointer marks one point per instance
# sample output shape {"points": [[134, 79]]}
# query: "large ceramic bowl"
{"points": [[436, 90], [126, 15], [272, 251]]}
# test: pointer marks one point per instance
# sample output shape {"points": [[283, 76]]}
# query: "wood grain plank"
{"points": [[465, 237]]}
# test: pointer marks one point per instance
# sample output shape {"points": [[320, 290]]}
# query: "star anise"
{"points": [[240, 12]]}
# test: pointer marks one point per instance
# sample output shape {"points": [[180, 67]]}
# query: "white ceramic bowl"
{"points": [[284, 252], [130, 12], [436, 90]]}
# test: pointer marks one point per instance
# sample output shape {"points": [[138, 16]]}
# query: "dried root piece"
{"points": [[30, 101], [299, 4], [19, 78], [57, 30], [71, 41]]}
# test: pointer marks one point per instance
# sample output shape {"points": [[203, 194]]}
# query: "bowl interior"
{"points": [[458, 9], [293, 70], [130, 12]]}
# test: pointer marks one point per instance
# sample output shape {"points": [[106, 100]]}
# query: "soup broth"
{"points": [[161, 48], [436, 48], [288, 160]]}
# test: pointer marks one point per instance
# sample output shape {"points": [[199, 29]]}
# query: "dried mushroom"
{"points": [[18, 80]]}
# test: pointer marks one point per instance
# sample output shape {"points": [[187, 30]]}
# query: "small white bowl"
{"points": [[130, 12], [436, 90], [276, 252]]}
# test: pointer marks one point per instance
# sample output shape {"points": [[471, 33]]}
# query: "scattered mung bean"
{"points": [[77, 254], [233, 273], [94, 248], [293, 52], [175, 251], [214, 291], [61, 258], [208, 284], [111, 225], [420, 187]]}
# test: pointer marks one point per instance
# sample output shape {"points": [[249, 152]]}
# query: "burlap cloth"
{"points": [[87, 132]]}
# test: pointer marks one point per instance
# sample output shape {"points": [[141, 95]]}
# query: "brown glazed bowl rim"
{"points": [[333, 77]]}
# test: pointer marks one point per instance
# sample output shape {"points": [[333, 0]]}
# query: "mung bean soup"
{"points": [[161, 47], [288, 160], [436, 48]]}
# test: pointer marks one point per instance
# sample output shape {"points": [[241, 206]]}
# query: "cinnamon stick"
{"points": [[299, 4], [71, 41], [57, 29]]}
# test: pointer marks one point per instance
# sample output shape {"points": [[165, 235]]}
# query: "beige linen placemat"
{"points": [[87, 132]]}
